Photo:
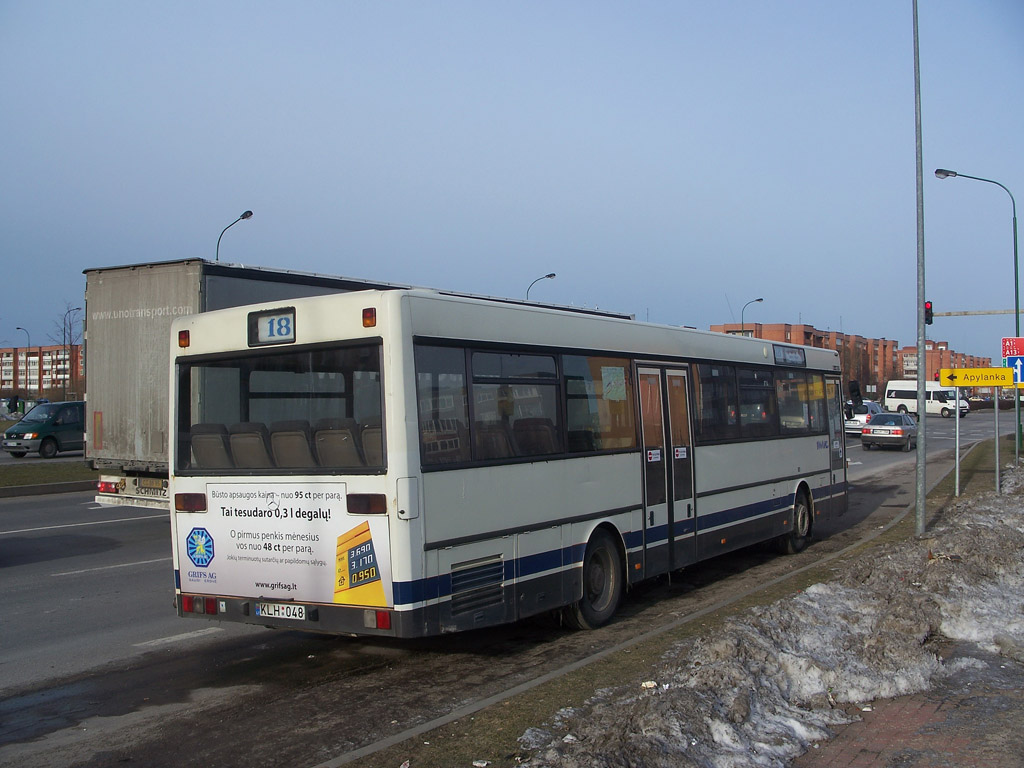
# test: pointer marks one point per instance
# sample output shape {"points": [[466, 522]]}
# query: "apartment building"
{"points": [[55, 372]]}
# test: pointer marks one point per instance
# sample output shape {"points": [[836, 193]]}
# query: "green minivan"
{"points": [[48, 428]]}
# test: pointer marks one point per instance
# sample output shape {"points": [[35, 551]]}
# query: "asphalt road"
{"points": [[84, 585]]}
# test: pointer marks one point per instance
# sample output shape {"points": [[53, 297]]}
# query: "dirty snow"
{"points": [[779, 677]]}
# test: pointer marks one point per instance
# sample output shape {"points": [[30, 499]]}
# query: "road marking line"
{"points": [[178, 638], [110, 567], [78, 525]]}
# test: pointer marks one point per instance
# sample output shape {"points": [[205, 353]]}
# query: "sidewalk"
{"points": [[973, 719]]}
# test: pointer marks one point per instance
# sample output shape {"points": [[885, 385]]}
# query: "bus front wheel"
{"points": [[602, 584], [795, 541]]}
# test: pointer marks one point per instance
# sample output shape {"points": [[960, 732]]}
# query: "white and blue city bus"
{"points": [[408, 462]]}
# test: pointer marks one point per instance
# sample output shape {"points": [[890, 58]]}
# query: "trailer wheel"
{"points": [[602, 584], [48, 449], [794, 541]]}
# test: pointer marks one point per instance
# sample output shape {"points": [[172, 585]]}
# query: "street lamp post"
{"points": [[743, 326], [548, 276], [67, 338], [27, 350], [246, 215], [944, 173]]}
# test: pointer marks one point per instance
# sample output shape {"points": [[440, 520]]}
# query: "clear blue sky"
{"points": [[669, 159]]}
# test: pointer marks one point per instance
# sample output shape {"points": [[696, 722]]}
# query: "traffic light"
{"points": [[927, 313]]}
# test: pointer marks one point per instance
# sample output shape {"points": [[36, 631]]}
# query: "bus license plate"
{"points": [[281, 611]]}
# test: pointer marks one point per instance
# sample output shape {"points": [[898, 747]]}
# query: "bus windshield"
{"points": [[315, 410]]}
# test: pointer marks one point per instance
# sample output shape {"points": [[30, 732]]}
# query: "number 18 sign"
{"points": [[274, 326]]}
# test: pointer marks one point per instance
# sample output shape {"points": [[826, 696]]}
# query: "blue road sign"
{"points": [[1017, 364]]}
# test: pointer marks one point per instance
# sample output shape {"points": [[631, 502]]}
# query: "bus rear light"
{"points": [[197, 604], [190, 502], [367, 504], [369, 317], [183, 339], [377, 619], [105, 486]]}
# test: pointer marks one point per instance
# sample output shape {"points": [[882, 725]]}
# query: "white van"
{"points": [[901, 396]]}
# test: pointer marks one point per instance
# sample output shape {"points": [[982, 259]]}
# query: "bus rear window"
{"points": [[317, 411]]}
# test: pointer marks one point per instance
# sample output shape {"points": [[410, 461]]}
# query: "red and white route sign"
{"points": [[1013, 346]]}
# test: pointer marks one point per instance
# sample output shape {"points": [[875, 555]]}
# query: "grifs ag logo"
{"points": [[199, 546]]}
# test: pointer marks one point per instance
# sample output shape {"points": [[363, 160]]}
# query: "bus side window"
{"points": [[443, 406]]}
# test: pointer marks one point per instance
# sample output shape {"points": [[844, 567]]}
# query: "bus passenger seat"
{"points": [[210, 447], [250, 445], [289, 441], [335, 443], [492, 441], [373, 444], [535, 436]]}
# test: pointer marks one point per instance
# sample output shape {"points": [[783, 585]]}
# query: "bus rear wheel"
{"points": [[795, 541], [602, 584]]}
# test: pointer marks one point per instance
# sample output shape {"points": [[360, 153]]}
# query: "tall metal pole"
{"points": [[922, 433], [67, 338], [548, 276], [27, 351], [743, 325], [944, 173], [246, 215]]}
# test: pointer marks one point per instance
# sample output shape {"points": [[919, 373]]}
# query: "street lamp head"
{"points": [[246, 215], [942, 173], [761, 299], [548, 276]]}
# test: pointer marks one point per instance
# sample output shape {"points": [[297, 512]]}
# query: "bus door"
{"points": [[837, 438], [669, 513]]}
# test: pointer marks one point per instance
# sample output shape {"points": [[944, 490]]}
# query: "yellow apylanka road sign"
{"points": [[976, 377]]}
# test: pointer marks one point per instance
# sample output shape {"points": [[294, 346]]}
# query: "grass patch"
{"points": [[45, 473]]}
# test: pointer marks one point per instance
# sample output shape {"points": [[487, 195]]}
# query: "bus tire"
{"points": [[946, 413], [902, 409], [795, 541], [48, 448], [602, 584]]}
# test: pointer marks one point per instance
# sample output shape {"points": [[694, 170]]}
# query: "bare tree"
{"points": [[67, 332]]}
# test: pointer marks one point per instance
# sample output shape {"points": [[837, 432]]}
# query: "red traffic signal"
{"points": [[927, 313]]}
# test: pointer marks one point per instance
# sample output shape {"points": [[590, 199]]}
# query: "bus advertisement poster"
{"points": [[285, 540]]}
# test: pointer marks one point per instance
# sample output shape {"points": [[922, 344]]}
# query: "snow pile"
{"points": [[775, 679]]}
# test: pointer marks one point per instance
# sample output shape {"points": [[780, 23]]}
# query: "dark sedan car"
{"points": [[889, 429]]}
